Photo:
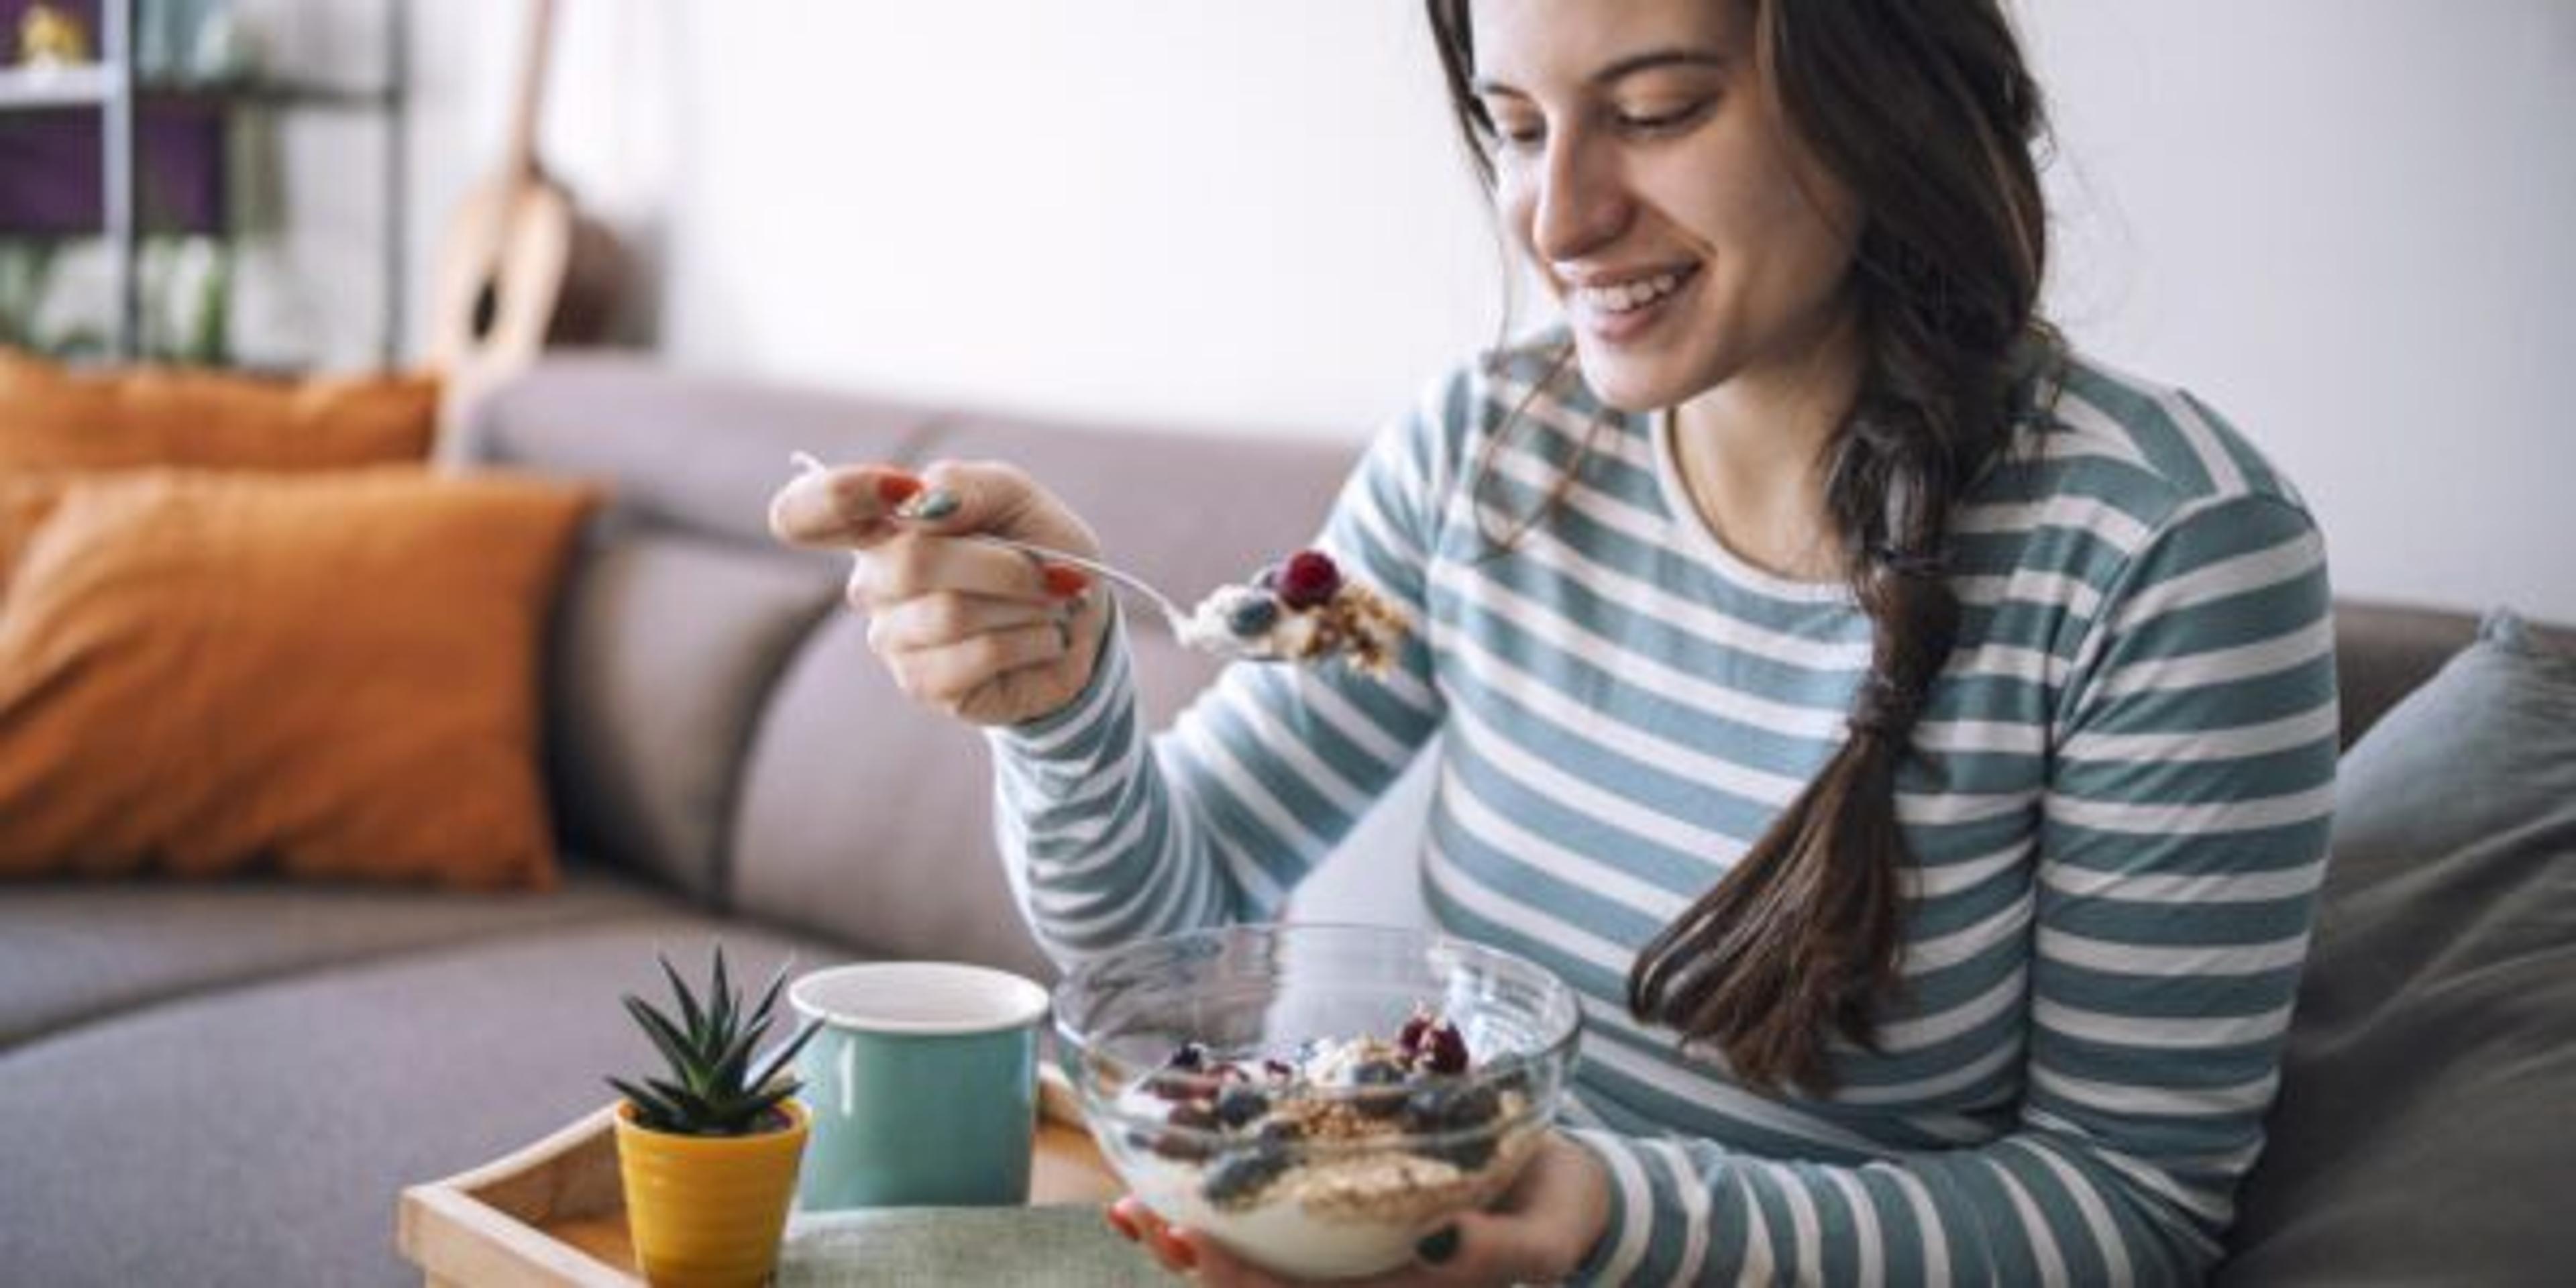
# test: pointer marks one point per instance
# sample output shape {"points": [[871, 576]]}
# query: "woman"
{"points": [[1916, 742]]}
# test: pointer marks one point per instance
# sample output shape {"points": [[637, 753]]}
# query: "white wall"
{"points": [[2340, 220]]}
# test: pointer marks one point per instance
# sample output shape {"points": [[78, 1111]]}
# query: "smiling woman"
{"points": [[1912, 740]]}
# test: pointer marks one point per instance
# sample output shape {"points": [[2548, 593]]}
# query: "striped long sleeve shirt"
{"points": [[2116, 808]]}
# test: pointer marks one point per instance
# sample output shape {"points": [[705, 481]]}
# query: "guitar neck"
{"points": [[522, 156]]}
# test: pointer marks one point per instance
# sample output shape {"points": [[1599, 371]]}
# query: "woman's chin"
{"points": [[1624, 383]]}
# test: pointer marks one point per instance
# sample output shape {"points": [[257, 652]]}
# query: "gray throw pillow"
{"points": [[2426, 1129]]}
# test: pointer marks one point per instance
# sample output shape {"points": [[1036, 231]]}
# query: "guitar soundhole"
{"points": [[487, 307]]}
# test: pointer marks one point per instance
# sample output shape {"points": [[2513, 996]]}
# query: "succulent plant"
{"points": [[714, 1088]]}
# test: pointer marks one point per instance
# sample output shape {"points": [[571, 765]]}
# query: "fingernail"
{"points": [[1121, 1222], [936, 503], [1438, 1246], [895, 489], [1065, 583], [1184, 1256]]}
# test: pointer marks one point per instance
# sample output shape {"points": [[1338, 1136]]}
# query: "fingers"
{"points": [[911, 565], [973, 496], [848, 506], [1137, 1223], [942, 618], [948, 676]]}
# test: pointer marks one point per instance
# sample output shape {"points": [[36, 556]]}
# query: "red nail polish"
{"points": [[895, 489], [1184, 1256], [1065, 583], [1120, 1222]]}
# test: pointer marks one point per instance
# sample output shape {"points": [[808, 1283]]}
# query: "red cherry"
{"points": [[1308, 579], [1448, 1049], [1410, 1038]]}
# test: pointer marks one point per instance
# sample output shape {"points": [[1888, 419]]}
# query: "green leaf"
{"points": [[729, 1066], [767, 1071], [686, 1061], [769, 1100], [722, 1003], [690, 1013], [650, 1110], [769, 995]]}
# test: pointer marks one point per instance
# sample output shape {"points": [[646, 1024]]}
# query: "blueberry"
{"points": [[1427, 1110], [1238, 1104], [1280, 1131], [1442, 1109], [1373, 1074], [1473, 1107], [1188, 1055], [1253, 617], [1377, 1073], [1243, 1173]]}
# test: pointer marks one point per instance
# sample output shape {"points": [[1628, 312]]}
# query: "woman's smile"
{"points": [[1624, 307]]}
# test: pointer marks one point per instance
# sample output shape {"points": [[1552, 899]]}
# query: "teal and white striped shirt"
{"points": [[2118, 812]]}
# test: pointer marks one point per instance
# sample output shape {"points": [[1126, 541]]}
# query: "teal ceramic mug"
{"points": [[922, 1085]]}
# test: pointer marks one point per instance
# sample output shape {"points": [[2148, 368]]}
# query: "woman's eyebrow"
{"points": [[1620, 69]]}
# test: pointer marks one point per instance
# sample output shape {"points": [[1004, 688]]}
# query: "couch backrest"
{"points": [[717, 723]]}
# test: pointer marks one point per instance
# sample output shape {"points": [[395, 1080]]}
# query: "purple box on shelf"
{"points": [[49, 170]]}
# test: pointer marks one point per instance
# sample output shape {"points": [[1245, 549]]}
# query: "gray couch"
{"points": [[228, 1084]]}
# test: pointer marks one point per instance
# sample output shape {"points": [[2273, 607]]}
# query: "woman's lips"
{"points": [[1625, 310]]}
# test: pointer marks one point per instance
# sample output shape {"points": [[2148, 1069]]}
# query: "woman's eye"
{"points": [[1662, 120], [1518, 131]]}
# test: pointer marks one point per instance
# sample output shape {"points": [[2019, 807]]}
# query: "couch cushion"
{"points": [[2422, 1133], [868, 818], [261, 1137], [664, 651], [78, 952], [328, 675], [60, 418]]}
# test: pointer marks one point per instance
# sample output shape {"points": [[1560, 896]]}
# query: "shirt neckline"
{"points": [[1703, 541]]}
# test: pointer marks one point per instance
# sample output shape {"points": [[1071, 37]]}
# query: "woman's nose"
{"points": [[1582, 203]]}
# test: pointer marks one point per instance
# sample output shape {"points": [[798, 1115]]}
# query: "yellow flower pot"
{"points": [[708, 1211]]}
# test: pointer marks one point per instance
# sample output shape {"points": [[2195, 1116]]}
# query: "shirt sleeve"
{"points": [[2182, 841], [1109, 835]]}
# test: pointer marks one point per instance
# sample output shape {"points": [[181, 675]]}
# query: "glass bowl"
{"points": [[1316, 1098]]}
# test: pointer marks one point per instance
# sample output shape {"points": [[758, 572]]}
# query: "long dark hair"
{"points": [[1925, 110]]}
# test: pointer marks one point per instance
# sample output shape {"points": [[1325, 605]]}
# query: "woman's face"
{"points": [[1642, 167]]}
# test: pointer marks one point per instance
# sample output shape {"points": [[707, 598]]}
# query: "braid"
{"points": [[1803, 934]]}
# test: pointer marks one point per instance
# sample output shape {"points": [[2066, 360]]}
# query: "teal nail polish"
{"points": [[936, 503], [1438, 1246]]}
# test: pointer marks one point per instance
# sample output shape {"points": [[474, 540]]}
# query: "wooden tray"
{"points": [[555, 1214]]}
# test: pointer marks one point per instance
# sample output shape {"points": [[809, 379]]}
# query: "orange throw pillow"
{"points": [[324, 675], [52, 418]]}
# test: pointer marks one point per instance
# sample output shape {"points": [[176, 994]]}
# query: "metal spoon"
{"points": [[1208, 637]]}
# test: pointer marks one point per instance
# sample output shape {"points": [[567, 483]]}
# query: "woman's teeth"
{"points": [[1627, 297]]}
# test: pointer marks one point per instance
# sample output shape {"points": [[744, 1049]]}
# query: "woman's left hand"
{"points": [[1538, 1232]]}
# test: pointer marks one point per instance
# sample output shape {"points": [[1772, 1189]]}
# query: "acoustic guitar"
{"points": [[521, 266]]}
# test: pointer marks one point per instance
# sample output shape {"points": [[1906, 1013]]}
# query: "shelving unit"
{"points": [[113, 88]]}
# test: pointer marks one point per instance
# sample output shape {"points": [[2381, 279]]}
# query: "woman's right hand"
{"points": [[986, 634]]}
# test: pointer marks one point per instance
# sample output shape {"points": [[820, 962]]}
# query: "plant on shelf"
{"points": [[708, 1152]]}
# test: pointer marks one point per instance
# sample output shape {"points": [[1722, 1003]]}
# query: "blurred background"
{"points": [[2343, 222]]}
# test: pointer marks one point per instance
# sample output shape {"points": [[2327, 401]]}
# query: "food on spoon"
{"points": [[1301, 609]]}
